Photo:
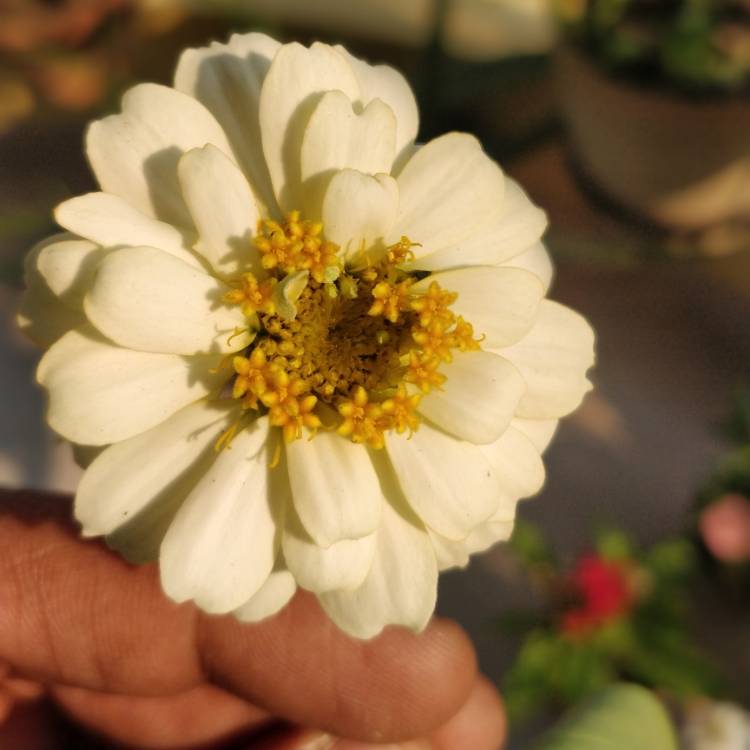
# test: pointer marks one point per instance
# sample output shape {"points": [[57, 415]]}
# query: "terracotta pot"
{"points": [[682, 162]]}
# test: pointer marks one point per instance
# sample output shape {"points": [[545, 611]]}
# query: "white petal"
{"points": [[536, 260], [135, 154], [449, 483], [227, 79], [222, 543], [553, 359], [100, 393], [479, 397], [401, 586], [335, 488], [358, 209], [43, 318], [68, 268], [269, 599], [500, 303], [110, 221], [448, 189], [145, 470], [452, 554], [339, 138], [517, 463], [41, 315], [223, 210], [30, 270], [518, 226], [387, 84], [539, 431], [343, 565], [148, 300], [294, 83]]}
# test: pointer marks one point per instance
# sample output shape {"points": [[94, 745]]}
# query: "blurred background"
{"points": [[628, 121]]}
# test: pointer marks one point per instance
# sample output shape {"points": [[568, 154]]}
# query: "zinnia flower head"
{"points": [[301, 350]]}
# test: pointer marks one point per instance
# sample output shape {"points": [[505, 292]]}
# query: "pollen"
{"points": [[401, 252], [363, 421], [352, 350], [297, 245], [434, 341], [401, 410], [251, 295], [422, 371], [462, 336], [434, 305], [390, 299]]}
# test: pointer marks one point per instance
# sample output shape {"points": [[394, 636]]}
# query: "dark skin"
{"points": [[115, 657]]}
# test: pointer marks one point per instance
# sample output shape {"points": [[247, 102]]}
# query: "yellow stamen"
{"points": [[401, 409], [401, 252], [390, 299], [434, 305], [363, 421], [422, 372], [462, 336], [253, 296], [348, 341], [434, 341], [297, 245], [225, 439]]}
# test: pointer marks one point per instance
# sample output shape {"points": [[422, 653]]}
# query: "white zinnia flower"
{"points": [[319, 355], [715, 725]]}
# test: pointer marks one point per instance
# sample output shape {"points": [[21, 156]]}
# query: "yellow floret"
{"points": [[422, 371], [390, 299], [297, 245], [253, 296]]}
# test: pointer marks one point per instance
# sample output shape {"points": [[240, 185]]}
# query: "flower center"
{"points": [[352, 350]]}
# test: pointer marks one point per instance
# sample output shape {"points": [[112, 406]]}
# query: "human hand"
{"points": [[118, 659]]}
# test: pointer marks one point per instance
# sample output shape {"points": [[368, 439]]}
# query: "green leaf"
{"points": [[614, 544], [620, 717], [673, 559], [528, 543]]}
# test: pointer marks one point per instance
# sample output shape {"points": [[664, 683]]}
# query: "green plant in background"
{"points": [[618, 613], [696, 45]]}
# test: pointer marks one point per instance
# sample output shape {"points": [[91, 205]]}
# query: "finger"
{"points": [[397, 686], [480, 725], [91, 620], [203, 715], [14, 689], [23, 690]]}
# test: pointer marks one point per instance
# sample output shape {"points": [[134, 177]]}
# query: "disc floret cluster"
{"points": [[349, 349]]}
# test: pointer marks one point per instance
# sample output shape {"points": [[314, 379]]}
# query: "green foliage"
{"points": [[671, 561], [732, 475], [699, 46], [620, 717], [613, 544], [650, 643], [555, 671], [530, 547]]}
